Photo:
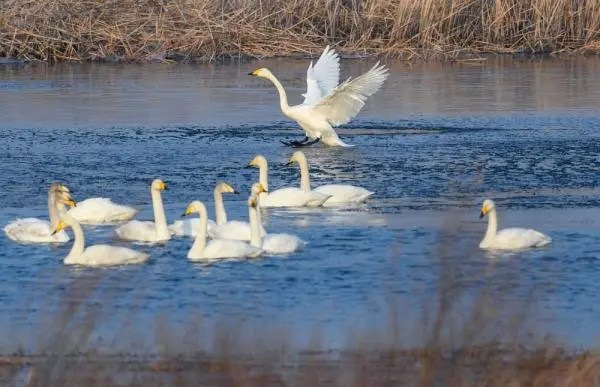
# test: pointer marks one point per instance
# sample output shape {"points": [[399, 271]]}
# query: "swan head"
{"points": [[262, 73], [488, 205], [66, 198], [225, 188], [59, 187], [258, 161], [257, 189], [297, 157], [195, 207], [159, 185], [63, 222]]}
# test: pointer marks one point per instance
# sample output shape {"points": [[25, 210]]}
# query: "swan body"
{"points": [[219, 248], [100, 211], [340, 194], [97, 255], [327, 104], [284, 197], [145, 231], [279, 243], [508, 238], [34, 230]]}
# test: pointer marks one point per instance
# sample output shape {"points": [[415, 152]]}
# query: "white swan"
{"points": [[508, 238], [340, 193], [34, 230], [156, 231], [190, 227], [327, 104], [284, 197], [279, 243], [97, 255], [233, 229], [217, 248], [101, 211]]}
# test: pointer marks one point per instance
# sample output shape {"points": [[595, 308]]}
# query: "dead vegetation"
{"points": [[142, 30]]}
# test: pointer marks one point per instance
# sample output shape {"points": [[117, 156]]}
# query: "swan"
{"points": [[34, 230], [508, 238], [340, 193], [279, 243], [217, 248], [233, 229], [156, 231], [284, 197], [100, 211], [97, 255], [327, 104], [190, 227]]}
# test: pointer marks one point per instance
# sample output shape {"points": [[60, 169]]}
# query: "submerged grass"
{"points": [[472, 332], [54, 30]]}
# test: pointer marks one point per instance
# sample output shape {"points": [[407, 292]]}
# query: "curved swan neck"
{"points": [[200, 241], [263, 171], [492, 226], [220, 214], [255, 238], [160, 219], [304, 174], [53, 210], [282, 95], [79, 244]]}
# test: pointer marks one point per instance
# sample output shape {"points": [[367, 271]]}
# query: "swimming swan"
{"points": [[156, 231], [340, 193], [508, 238], [190, 227], [233, 229], [284, 197], [100, 211], [217, 248], [97, 255], [327, 104], [279, 243], [34, 230]]}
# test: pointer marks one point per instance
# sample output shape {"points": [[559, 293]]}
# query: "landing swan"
{"points": [[190, 227], [271, 243], [34, 230], [327, 104], [508, 238], [217, 248], [284, 197], [97, 255], [340, 193], [101, 211], [155, 231], [233, 229]]}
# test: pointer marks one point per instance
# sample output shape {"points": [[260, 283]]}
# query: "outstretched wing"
{"points": [[323, 77], [344, 103]]}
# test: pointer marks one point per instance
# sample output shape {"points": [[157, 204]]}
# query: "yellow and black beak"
{"points": [[483, 212], [253, 202], [71, 203], [254, 73], [186, 212], [59, 227]]}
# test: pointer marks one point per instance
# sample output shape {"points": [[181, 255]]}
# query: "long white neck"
{"points": [[78, 245], [492, 226], [255, 238], [200, 242], [160, 220], [263, 174], [304, 175], [53, 211], [282, 95], [220, 214]]}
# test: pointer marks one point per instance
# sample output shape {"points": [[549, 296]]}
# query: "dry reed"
{"points": [[75, 30]]}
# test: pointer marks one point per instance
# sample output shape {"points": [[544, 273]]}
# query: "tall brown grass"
{"points": [[55, 30]]}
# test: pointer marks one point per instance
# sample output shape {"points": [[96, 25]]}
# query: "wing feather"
{"points": [[344, 103], [323, 77]]}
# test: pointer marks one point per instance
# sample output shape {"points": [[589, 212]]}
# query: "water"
{"points": [[432, 144]]}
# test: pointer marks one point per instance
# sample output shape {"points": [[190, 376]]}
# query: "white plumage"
{"points": [[100, 211]]}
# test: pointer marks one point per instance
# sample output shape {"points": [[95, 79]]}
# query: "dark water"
{"points": [[432, 144]]}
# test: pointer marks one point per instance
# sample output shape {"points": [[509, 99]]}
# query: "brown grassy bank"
{"points": [[55, 30]]}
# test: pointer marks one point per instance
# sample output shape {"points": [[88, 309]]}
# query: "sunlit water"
{"points": [[432, 144]]}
